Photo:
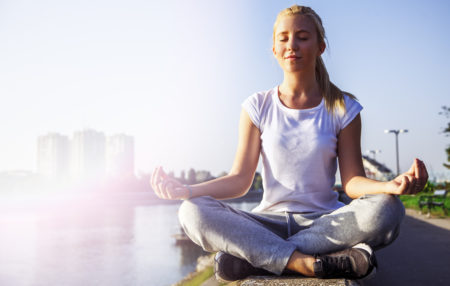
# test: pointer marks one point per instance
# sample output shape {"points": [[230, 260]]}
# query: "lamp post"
{"points": [[396, 132]]}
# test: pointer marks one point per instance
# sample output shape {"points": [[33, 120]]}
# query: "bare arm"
{"points": [[353, 177], [233, 185]]}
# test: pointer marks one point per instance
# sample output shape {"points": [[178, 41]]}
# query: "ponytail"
{"points": [[333, 95]]}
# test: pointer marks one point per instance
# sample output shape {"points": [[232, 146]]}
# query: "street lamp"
{"points": [[373, 152], [396, 132]]}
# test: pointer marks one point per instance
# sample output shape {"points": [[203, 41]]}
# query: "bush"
{"points": [[429, 187]]}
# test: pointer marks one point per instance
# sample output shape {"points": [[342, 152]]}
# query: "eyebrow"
{"points": [[296, 32]]}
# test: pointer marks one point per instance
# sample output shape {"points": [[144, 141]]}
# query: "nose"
{"points": [[292, 44]]}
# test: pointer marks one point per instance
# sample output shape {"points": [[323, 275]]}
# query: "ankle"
{"points": [[301, 263]]}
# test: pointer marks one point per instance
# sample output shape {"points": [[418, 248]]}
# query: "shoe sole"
{"points": [[220, 280], [216, 275], [371, 275], [256, 272]]}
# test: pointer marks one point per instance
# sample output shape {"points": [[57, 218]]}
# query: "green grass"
{"points": [[412, 202], [199, 277]]}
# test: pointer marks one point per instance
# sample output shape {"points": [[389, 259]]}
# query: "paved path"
{"points": [[419, 256], [440, 222]]}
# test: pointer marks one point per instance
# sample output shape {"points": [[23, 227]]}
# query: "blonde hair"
{"points": [[334, 98]]}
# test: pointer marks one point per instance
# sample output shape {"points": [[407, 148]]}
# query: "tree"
{"points": [[222, 174], [257, 182], [182, 178], [191, 177], [446, 112], [203, 176]]}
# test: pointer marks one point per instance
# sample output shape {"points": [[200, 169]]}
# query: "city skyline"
{"points": [[88, 155], [175, 79], [92, 154]]}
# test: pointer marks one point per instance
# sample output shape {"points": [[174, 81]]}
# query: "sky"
{"points": [[173, 74]]}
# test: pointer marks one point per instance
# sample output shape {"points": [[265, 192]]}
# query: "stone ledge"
{"points": [[295, 281]]}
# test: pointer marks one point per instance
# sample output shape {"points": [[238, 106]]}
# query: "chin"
{"points": [[296, 68], [293, 70]]}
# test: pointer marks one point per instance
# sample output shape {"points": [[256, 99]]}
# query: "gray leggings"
{"points": [[268, 239]]}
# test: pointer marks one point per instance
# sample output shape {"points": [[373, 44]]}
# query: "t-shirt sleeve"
{"points": [[352, 109], [251, 105]]}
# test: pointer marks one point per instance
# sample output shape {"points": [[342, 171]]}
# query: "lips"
{"points": [[292, 57]]}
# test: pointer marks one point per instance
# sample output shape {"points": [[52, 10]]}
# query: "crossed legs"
{"points": [[264, 239]]}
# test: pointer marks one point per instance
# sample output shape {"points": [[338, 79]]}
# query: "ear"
{"points": [[322, 47], [273, 51]]}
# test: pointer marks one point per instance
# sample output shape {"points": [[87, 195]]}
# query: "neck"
{"points": [[296, 85]]}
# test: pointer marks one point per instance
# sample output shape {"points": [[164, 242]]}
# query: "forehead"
{"points": [[295, 23]]}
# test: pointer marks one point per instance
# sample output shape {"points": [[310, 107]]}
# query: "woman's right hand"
{"points": [[166, 187], [410, 182]]}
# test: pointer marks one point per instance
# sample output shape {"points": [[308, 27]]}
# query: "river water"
{"points": [[92, 239]]}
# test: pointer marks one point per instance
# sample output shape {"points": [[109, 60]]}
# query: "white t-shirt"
{"points": [[299, 151]]}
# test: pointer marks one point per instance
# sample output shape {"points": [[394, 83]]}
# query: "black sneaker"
{"points": [[228, 268], [354, 263]]}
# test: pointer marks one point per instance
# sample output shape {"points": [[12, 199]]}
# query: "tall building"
{"points": [[88, 155], [120, 155], [53, 156]]}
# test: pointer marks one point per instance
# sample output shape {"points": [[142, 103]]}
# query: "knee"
{"points": [[385, 211], [193, 211], [388, 215], [389, 206]]}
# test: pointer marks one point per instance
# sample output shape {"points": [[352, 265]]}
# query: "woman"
{"points": [[300, 128]]}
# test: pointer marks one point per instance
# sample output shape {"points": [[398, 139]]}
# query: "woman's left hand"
{"points": [[410, 182], [166, 187]]}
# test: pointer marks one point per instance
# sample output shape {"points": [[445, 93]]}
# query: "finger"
{"points": [[154, 182], [408, 183], [162, 190], [416, 168], [411, 170], [163, 174], [164, 179], [403, 186], [159, 182], [426, 172], [167, 186], [419, 184], [153, 179], [423, 178], [418, 188], [155, 176], [423, 172], [412, 185]]}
